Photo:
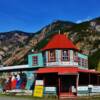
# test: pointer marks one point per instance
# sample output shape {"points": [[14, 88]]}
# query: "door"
{"points": [[66, 83]]}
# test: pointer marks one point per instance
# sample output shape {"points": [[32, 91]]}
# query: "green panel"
{"points": [[82, 56], [40, 60]]}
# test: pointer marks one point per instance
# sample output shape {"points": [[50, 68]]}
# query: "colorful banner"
{"points": [[17, 80]]}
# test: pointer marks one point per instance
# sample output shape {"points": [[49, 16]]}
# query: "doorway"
{"points": [[66, 84]]}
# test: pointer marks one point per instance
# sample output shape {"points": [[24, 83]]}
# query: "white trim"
{"points": [[14, 67]]}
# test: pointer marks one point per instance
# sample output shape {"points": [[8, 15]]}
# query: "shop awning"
{"points": [[88, 71], [64, 70], [59, 70]]}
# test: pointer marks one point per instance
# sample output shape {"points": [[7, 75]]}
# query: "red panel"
{"points": [[88, 71], [59, 41], [60, 70], [65, 70]]}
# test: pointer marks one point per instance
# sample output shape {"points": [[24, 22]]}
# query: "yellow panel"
{"points": [[38, 91]]}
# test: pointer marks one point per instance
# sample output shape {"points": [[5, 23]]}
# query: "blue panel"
{"points": [[40, 60], [30, 79]]}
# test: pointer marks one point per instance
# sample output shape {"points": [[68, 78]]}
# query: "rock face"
{"points": [[16, 45]]}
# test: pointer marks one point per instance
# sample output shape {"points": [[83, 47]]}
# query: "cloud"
{"points": [[79, 21], [83, 20]]}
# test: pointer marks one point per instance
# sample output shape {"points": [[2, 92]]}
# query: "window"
{"points": [[35, 60], [44, 58], [79, 61], [85, 62], [75, 56], [82, 62], [52, 56], [65, 55]]}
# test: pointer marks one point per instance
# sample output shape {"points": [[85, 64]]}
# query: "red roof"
{"points": [[88, 71], [64, 70], [60, 70], [59, 41]]}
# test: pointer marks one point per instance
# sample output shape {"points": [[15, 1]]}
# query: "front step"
{"points": [[67, 95]]}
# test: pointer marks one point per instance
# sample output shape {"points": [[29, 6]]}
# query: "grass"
{"points": [[29, 97], [51, 97]]}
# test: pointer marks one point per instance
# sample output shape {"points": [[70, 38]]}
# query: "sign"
{"points": [[82, 88], [38, 91], [96, 89], [39, 82], [50, 90]]}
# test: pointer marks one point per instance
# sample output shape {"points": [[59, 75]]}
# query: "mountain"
{"points": [[16, 45], [86, 36], [11, 43]]}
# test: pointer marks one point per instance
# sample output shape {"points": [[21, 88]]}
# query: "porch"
{"points": [[67, 82]]}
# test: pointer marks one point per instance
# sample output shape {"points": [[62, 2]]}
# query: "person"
{"points": [[13, 82], [18, 81], [24, 80]]}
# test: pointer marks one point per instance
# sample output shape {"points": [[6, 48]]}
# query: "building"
{"points": [[60, 68], [64, 69]]}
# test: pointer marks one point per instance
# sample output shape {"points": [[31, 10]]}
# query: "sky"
{"points": [[32, 15]]}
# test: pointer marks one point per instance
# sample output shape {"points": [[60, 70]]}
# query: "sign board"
{"points": [[82, 88], [38, 91], [96, 89], [39, 82], [50, 90], [85, 90]]}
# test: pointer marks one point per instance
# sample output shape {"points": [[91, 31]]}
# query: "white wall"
{"points": [[59, 62]]}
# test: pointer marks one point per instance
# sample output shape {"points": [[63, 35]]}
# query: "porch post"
{"points": [[77, 83], [98, 83], [44, 81], [59, 86], [89, 78]]}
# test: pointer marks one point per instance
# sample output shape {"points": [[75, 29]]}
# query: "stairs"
{"points": [[67, 95]]}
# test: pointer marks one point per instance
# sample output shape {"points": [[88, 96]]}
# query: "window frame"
{"points": [[53, 57], [75, 56], [35, 60], [67, 56], [79, 61]]}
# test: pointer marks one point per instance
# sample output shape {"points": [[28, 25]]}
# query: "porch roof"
{"points": [[88, 71], [59, 70], [64, 70]]}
